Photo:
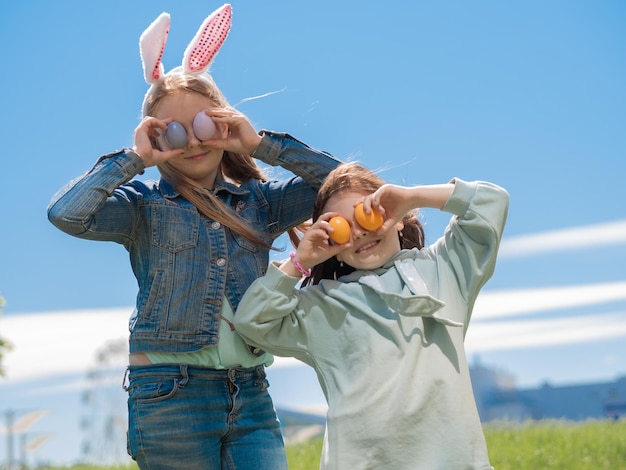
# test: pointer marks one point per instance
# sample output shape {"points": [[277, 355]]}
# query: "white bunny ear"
{"points": [[151, 47], [208, 40]]}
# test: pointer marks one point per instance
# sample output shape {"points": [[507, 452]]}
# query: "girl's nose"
{"points": [[358, 232], [192, 139]]}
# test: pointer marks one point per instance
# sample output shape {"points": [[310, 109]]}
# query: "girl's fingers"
{"points": [[326, 216], [224, 115]]}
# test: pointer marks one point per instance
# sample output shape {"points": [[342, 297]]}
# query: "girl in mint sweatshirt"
{"points": [[382, 319]]}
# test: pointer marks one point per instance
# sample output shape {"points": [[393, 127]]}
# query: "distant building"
{"points": [[498, 398]]}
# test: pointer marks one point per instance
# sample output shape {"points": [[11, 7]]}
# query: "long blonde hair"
{"points": [[236, 167]]}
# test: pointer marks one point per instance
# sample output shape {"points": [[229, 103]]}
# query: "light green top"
{"points": [[231, 351]]}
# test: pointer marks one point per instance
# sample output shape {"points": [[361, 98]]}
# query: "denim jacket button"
{"points": [[215, 225], [220, 262]]}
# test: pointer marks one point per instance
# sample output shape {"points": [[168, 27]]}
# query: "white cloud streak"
{"points": [[575, 238], [505, 303], [55, 343], [545, 332]]}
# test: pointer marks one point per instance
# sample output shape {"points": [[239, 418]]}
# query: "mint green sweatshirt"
{"points": [[387, 345]]}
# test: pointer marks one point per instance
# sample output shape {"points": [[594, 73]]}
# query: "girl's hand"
{"points": [[234, 133], [315, 246], [392, 201], [145, 133]]}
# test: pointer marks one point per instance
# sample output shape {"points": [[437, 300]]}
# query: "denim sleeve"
{"points": [[291, 200], [94, 206], [280, 149]]}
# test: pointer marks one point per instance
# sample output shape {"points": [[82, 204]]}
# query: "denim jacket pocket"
{"points": [[174, 228]]}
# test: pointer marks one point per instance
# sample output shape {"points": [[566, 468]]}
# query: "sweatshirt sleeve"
{"points": [[471, 240], [271, 314]]}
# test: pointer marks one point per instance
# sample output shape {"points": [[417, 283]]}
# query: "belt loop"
{"points": [[125, 380], [185, 374], [260, 377], [260, 372]]}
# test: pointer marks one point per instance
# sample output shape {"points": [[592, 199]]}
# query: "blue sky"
{"points": [[527, 94]]}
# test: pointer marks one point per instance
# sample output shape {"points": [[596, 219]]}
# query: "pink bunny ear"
{"points": [[208, 40], [151, 47]]}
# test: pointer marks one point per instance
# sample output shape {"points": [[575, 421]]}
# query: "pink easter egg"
{"points": [[203, 126]]}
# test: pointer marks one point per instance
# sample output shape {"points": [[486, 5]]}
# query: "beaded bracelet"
{"points": [[296, 263]]}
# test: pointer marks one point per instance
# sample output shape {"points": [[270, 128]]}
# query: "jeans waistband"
{"points": [[188, 371]]}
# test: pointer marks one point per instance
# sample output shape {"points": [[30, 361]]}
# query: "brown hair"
{"points": [[236, 167], [354, 177]]}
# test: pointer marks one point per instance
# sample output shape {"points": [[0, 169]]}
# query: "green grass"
{"points": [[532, 445], [305, 456], [558, 445]]}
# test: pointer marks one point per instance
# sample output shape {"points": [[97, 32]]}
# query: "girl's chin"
{"points": [[373, 263]]}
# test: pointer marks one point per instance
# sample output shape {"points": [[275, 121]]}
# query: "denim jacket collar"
{"points": [[169, 192]]}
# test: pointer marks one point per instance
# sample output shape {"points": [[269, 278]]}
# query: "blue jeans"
{"points": [[191, 417]]}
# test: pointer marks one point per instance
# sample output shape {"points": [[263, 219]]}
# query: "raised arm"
{"points": [[272, 148], [470, 243], [76, 207], [281, 149], [396, 201]]}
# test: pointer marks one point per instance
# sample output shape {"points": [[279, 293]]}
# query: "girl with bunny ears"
{"points": [[197, 238]]}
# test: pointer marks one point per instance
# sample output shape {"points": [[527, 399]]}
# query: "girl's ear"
{"points": [[151, 47], [207, 42]]}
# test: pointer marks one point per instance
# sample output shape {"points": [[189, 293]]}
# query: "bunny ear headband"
{"points": [[199, 53]]}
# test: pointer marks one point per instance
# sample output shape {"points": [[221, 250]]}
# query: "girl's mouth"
{"points": [[367, 247], [197, 156]]}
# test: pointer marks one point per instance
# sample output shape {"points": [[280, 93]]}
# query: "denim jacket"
{"points": [[185, 263]]}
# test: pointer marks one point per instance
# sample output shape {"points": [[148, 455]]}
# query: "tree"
{"points": [[4, 344]]}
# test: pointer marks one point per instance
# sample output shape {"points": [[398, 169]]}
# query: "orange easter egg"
{"points": [[341, 226], [371, 221]]}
